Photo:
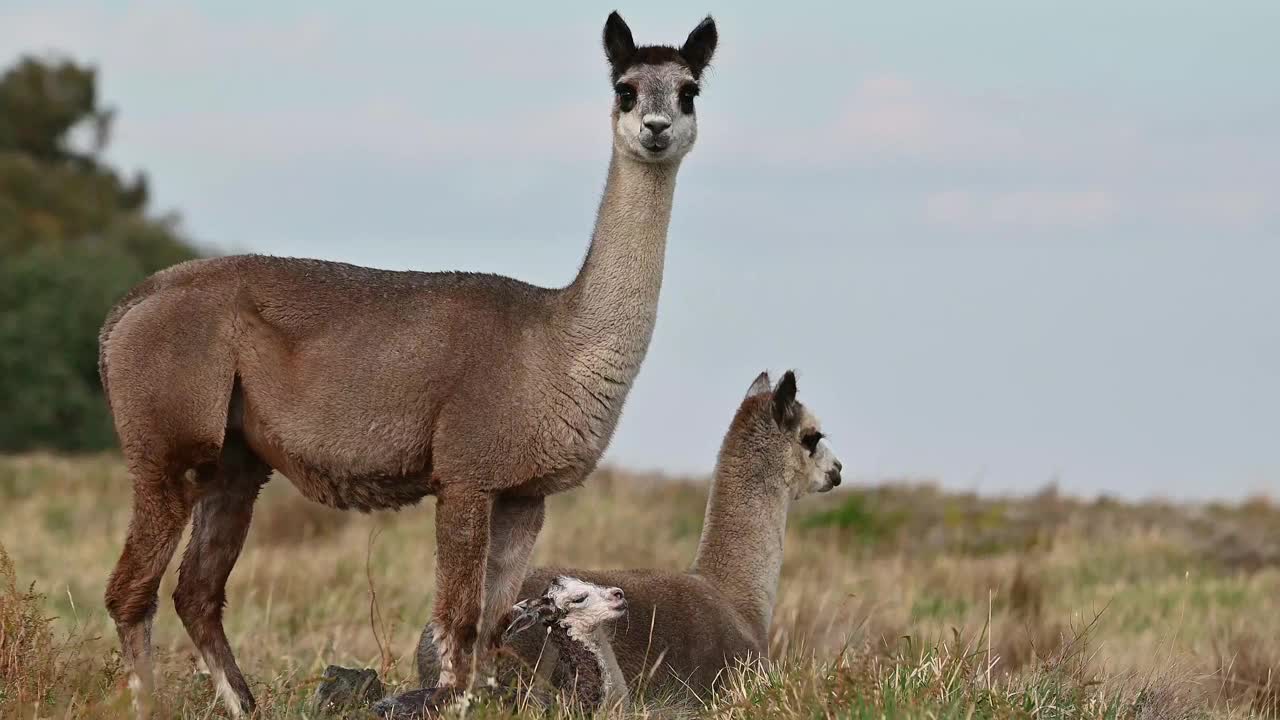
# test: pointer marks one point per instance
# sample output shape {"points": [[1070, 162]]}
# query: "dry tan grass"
{"points": [[1249, 669], [896, 601]]}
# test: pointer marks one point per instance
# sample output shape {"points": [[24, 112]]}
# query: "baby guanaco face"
{"points": [[585, 605], [654, 87], [808, 463], [571, 602], [817, 469]]}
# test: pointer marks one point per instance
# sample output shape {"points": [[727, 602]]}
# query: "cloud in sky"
{"points": [[893, 115], [1039, 161], [994, 259], [1054, 208]]}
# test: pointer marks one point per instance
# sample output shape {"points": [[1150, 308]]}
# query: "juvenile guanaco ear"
{"points": [[784, 402], [760, 385], [524, 615], [700, 46], [543, 609], [619, 46]]}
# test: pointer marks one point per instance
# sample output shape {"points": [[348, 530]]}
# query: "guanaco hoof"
{"points": [[344, 689]]}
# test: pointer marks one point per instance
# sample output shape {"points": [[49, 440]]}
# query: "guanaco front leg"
{"points": [[462, 545]]}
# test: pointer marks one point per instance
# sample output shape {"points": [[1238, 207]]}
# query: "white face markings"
{"points": [[821, 467], [656, 127], [585, 606], [811, 465]]}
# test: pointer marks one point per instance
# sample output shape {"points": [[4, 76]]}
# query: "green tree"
{"points": [[74, 237]]}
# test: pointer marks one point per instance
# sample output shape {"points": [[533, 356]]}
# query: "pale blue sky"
{"points": [[1003, 242]]}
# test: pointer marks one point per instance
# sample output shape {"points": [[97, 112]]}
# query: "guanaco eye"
{"points": [[579, 600], [687, 94], [626, 96], [810, 441]]}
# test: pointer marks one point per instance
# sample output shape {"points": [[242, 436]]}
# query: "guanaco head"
{"points": [[654, 89], [778, 437], [575, 604]]}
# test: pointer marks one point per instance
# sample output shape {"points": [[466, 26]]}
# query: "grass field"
{"points": [[896, 601]]}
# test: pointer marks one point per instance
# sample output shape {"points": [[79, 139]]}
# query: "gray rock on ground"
{"points": [[344, 689]]}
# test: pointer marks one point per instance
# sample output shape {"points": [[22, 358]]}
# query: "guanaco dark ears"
{"points": [[784, 402], [619, 46], [760, 385], [700, 46]]}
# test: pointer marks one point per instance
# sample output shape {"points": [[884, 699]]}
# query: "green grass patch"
{"points": [[854, 517]]}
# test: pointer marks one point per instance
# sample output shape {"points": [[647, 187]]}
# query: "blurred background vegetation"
{"points": [[75, 235]]}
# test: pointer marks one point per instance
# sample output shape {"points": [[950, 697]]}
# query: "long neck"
{"points": [[613, 301], [615, 683], [580, 671], [741, 547]]}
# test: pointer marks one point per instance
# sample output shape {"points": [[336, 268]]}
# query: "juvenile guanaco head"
{"points": [[576, 605], [776, 437]]}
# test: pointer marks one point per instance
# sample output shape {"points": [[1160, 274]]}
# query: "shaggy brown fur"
{"points": [[719, 612], [372, 389], [579, 672]]}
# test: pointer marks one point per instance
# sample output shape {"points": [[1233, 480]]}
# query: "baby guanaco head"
{"points": [[574, 604]]}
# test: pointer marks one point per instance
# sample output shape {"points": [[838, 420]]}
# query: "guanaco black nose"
{"points": [[616, 593], [657, 125]]}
